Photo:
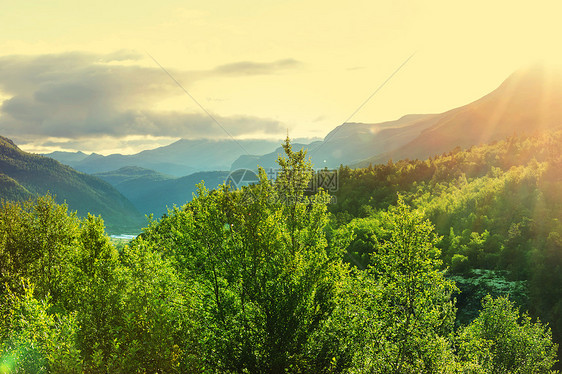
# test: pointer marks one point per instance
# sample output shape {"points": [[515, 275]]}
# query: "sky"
{"points": [[123, 76]]}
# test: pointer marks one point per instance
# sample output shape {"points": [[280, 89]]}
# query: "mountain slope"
{"points": [[351, 142], [24, 175], [177, 191], [152, 192], [527, 102], [268, 160], [132, 173]]}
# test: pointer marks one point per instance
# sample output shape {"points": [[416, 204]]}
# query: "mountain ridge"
{"points": [[350, 142], [526, 102], [24, 175], [152, 192], [180, 158], [528, 99]]}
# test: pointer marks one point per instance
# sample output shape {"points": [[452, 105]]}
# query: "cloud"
{"points": [[125, 145], [81, 95], [256, 68]]}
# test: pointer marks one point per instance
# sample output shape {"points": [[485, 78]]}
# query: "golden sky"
{"points": [[76, 75]]}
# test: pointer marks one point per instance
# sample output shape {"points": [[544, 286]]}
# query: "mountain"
{"points": [[24, 175], [525, 103], [177, 159], [68, 157], [127, 174], [152, 192], [351, 142], [266, 161]]}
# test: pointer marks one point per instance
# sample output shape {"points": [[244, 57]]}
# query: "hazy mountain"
{"points": [[528, 101], [24, 175], [266, 161], [351, 142], [178, 159], [68, 157], [128, 174], [153, 192]]}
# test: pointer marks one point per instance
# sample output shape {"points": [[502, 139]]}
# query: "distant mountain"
{"points": [[351, 143], [266, 161], [178, 159], [135, 174], [153, 192], [68, 157], [529, 101], [24, 175]]}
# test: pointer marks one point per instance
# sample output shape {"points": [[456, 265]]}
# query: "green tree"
{"points": [[259, 261], [159, 327], [94, 290], [397, 316], [32, 340], [500, 340], [35, 241]]}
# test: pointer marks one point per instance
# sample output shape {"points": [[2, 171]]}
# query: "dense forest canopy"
{"points": [[270, 278], [498, 208]]}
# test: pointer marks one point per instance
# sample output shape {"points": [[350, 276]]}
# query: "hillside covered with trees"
{"points": [[497, 207], [24, 175], [271, 279], [152, 192]]}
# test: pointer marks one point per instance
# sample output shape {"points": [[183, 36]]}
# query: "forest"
{"points": [[447, 265]]}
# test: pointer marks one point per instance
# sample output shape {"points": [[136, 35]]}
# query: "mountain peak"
{"points": [[537, 80], [8, 142], [527, 102]]}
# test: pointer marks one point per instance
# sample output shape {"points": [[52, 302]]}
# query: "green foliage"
{"points": [[415, 294], [479, 283], [459, 264], [157, 332], [259, 261], [94, 288], [502, 341], [35, 242], [397, 316], [256, 280], [368, 234], [32, 340], [497, 206]]}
